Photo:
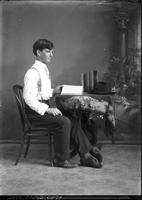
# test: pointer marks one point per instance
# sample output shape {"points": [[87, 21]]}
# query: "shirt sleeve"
{"points": [[30, 92]]}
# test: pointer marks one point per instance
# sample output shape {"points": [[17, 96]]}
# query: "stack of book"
{"points": [[91, 84], [89, 81]]}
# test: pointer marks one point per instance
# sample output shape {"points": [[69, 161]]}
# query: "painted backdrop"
{"points": [[82, 34]]}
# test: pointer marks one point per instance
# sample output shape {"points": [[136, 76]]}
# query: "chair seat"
{"points": [[38, 128]]}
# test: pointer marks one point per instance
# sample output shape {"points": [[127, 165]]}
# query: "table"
{"points": [[89, 106]]}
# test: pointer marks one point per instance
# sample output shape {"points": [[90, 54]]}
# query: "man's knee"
{"points": [[65, 121]]}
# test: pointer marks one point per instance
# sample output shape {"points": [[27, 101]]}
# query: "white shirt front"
{"points": [[31, 93]]}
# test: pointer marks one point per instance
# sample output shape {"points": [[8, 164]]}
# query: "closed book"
{"points": [[92, 80], [85, 81]]}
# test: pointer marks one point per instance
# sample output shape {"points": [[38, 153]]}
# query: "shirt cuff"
{"points": [[43, 109]]}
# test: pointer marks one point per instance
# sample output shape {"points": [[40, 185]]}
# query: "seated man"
{"points": [[37, 92]]}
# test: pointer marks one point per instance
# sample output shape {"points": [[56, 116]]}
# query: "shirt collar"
{"points": [[40, 66]]}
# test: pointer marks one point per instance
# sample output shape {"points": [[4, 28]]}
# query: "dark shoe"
{"points": [[96, 153], [73, 153], [99, 146], [64, 164], [90, 161]]}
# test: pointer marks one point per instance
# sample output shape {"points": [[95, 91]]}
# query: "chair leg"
{"points": [[27, 146], [112, 139], [50, 148], [21, 149]]}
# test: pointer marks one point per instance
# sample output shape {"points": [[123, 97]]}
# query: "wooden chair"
{"points": [[29, 129]]}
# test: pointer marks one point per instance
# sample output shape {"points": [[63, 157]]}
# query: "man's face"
{"points": [[45, 55]]}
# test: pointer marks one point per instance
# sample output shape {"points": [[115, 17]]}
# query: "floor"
{"points": [[120, 174]]}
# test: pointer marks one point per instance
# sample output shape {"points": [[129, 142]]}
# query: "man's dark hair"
{"points": [[42, 44]]}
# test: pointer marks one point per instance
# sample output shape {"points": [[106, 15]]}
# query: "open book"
{"points": [[71, 90]]}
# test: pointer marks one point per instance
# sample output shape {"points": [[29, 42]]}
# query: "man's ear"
{"points": [[38, 52]]}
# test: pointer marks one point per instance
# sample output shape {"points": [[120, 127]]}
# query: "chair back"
{"points": [[18, 91]]}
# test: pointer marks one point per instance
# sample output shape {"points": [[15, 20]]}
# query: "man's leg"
{"points": [[82, 144], [61, 127], [62, 137], [79, 137]]}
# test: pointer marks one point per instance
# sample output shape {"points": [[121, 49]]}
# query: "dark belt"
{"points": [[44, 101]]}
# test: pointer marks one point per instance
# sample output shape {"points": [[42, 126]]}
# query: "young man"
{"points": [[37, 92]]}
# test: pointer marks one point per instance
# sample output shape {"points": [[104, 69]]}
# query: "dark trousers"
{"points": [[79, 138], [62, 128]]}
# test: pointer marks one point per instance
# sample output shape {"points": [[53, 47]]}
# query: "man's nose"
{"points": [[51, 53]]}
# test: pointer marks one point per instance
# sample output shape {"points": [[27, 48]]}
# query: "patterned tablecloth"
{"points": [[84, 111], [94, 107]]}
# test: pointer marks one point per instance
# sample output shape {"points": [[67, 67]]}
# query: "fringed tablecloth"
{"points": [[83, 111]]}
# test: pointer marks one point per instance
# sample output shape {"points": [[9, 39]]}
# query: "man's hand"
{"points": [[53, 111], [57, 90]]}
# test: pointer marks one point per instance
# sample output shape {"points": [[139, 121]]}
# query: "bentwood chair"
{"points": [[29, 130]]}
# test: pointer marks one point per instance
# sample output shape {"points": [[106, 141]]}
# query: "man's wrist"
{"points": [[48, 109]]}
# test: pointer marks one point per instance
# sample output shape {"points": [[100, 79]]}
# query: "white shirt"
{"points": [[31, 91]]}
